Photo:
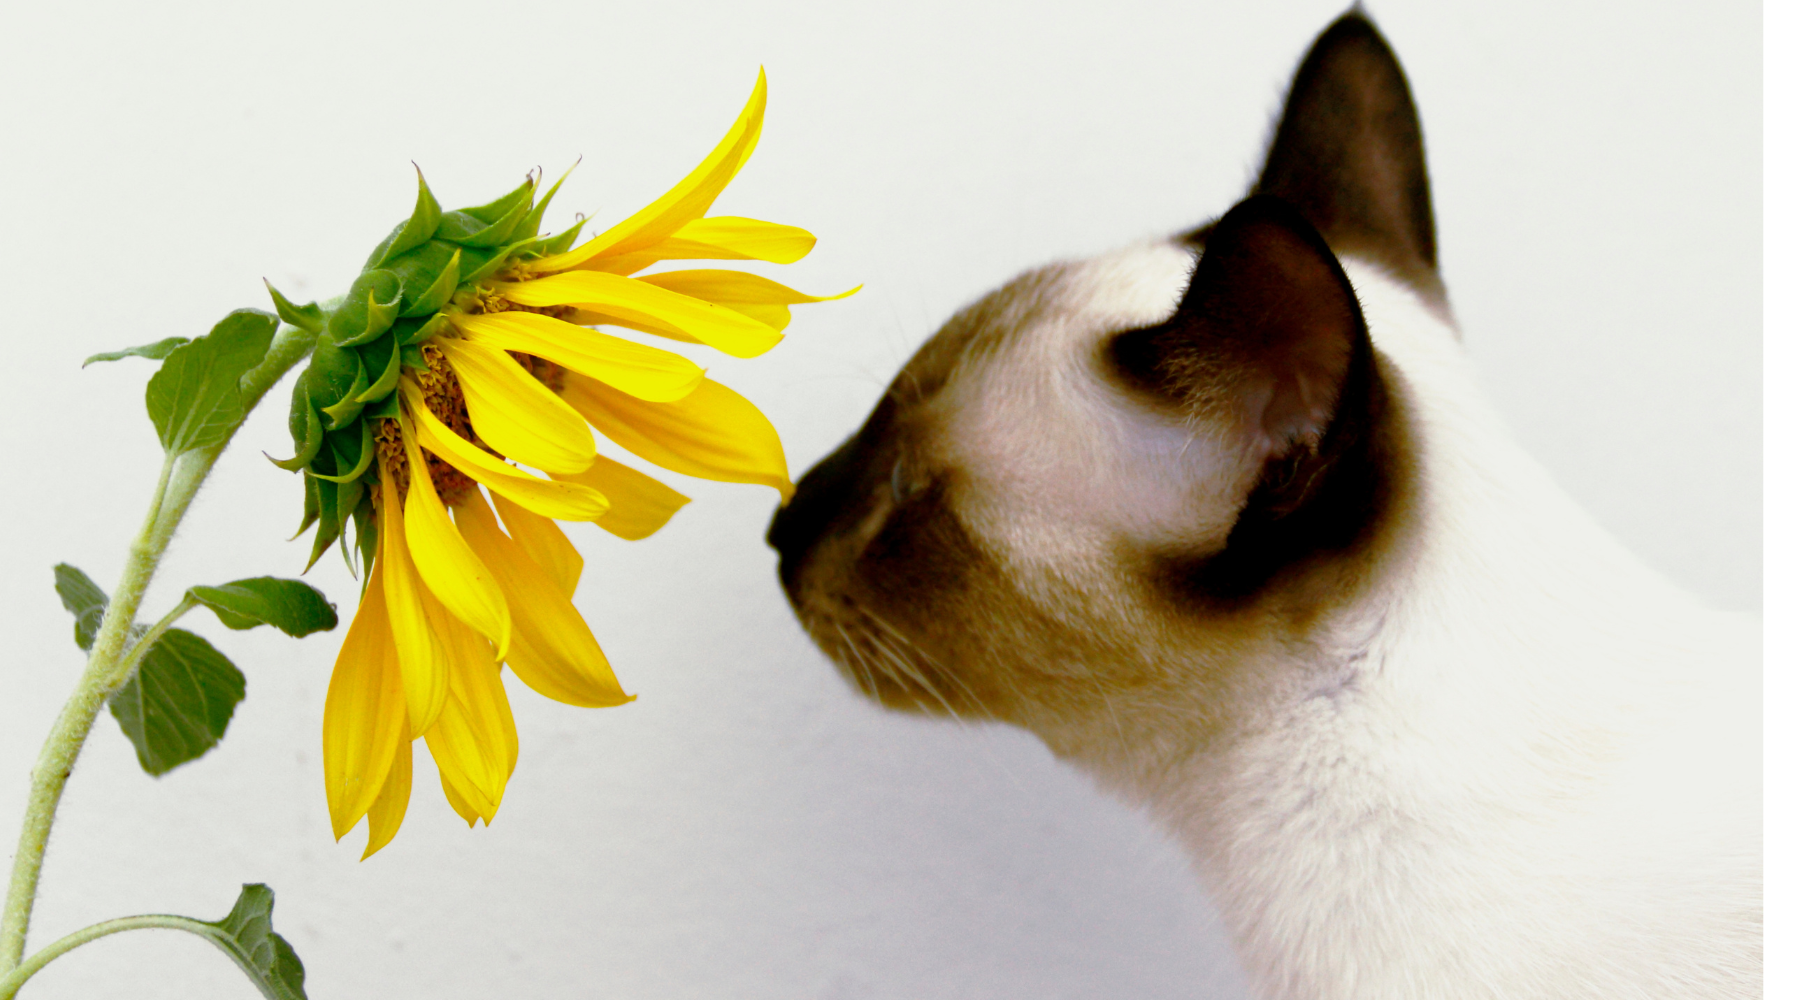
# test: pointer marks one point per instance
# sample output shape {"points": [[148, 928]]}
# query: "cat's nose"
{"points": [[822, 499]]}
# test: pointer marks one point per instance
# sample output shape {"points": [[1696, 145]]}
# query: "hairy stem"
{"points": [[108, 667], [11, 981]]}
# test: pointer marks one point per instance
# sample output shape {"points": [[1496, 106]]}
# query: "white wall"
{"points": [[747, 828]]}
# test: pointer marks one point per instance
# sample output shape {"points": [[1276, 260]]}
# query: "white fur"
{"points": [[1525, 767]]}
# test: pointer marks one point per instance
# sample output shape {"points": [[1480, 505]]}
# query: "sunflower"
{"points": [[461, 355]]}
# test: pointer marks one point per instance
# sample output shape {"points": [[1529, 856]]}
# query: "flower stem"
{"points": [[11, 981], [108, 666]]}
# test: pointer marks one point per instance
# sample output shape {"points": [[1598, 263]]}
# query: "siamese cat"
{"points": [[1225, 521]]}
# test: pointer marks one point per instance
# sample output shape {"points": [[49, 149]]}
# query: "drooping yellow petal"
{"points": [[390, 806], [462, 808], [684, 202], [645, 372], [721, 237], [713, 433], [553, 650], [474, 741], [450, 570], [637, 302], [751, 294], [514, 412], [640, 505], [421, 663], [365, 712], [568, 501], [544, 542]]}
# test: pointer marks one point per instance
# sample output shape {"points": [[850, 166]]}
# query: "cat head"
{"points": [[1106, 489]]}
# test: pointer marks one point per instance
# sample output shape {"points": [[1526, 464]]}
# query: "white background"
{"points": [[748, 828]]}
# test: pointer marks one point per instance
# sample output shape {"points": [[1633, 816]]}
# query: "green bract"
{"points": [[371, 335]]}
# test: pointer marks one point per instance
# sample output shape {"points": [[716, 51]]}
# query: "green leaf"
{"points": [[177, 705], [247, 934], [289, 605], [193, 398], [155, 352], [84, 599]]}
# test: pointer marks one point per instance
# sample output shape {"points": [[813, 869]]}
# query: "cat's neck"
{"points": [[1468, 712]]}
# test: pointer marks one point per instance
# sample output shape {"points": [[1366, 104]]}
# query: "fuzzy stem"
{"points": [[108, 668], [10, 983]]}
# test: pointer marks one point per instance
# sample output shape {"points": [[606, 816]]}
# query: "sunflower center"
{"points": [[444, 398]]}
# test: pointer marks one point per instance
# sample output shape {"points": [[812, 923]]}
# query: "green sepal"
{"points": [[412, 357], [366, 536], [329, 521], [309, 512], [155, 352], [415, 231], [304, 425], [477, 227], [434, 297], [495, 263], [562, 242], [528, 226], [362, 463], [346, 409], [369, 308], [508, 203], [387, 409], [437, 324], [389, 379], [308, 317]]}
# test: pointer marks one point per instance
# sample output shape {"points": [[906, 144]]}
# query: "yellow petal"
{"points": [[568, 501], [729, 287], [553, 650], [722, 237], [463, 809], [474, 741], [514, 412], [421, 663], [450, 570], [684, 202], [365, 712], [390, 805], [640, 505], [713, 433], [645, 372], [751, 294], [544, 542], [636, 301]]}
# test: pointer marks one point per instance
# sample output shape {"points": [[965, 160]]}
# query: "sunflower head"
{"points": [[464, 356], [434, 262]]}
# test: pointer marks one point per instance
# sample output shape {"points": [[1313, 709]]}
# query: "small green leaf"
{"points": [[303, 425], [415, 230], [177, 705], [308, 317], [289, 605], [528, 226], [193, 398], [84, 599], [442, 287], [369, 308], [155, 352], [247, 934]]}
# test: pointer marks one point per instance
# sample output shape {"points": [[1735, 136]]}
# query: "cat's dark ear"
{"points": [[1265, 339], [1349, 154]]}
